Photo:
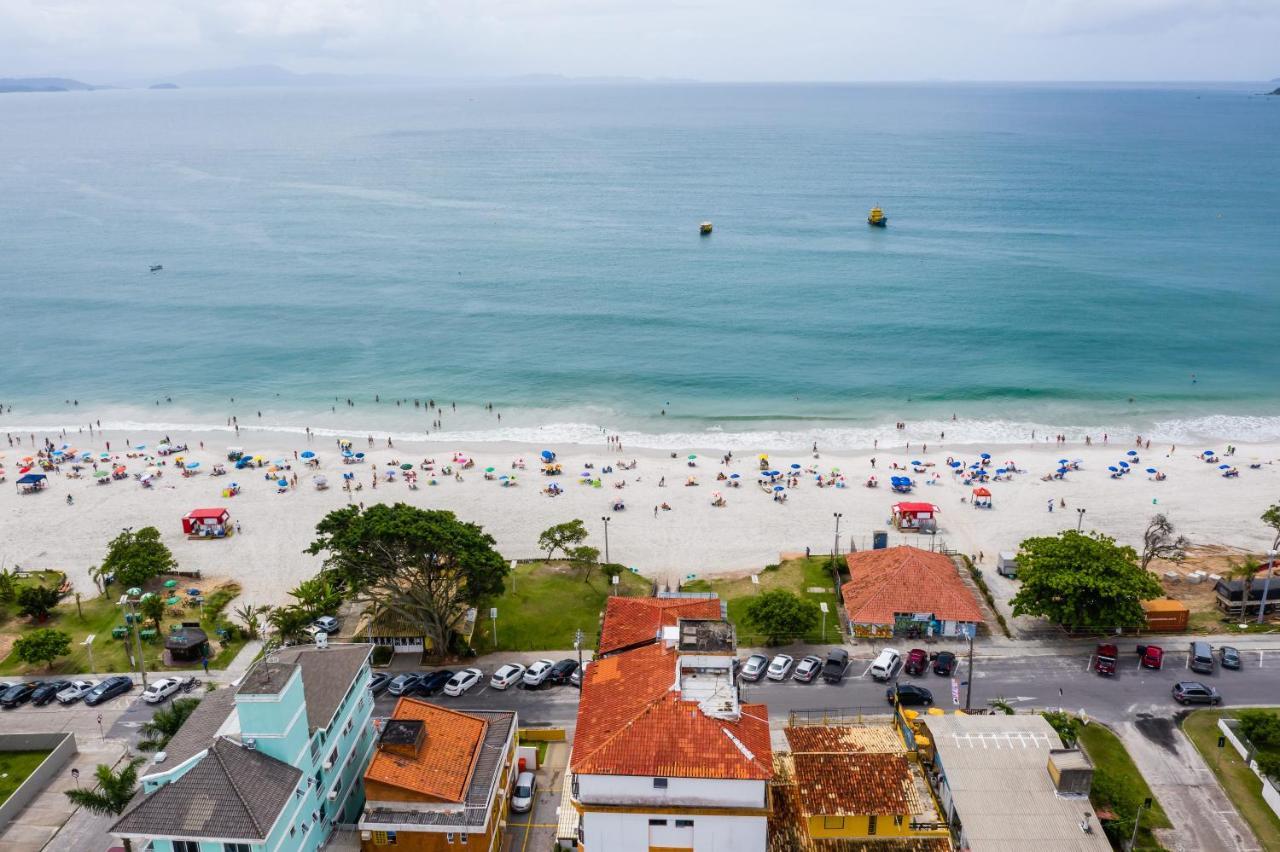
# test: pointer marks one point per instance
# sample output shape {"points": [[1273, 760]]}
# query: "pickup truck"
{"points": [[833, 668], [1104, 660]]}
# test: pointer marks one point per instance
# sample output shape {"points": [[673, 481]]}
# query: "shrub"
{"points": [[1064, 725], [1262, 727], [382, 655]]}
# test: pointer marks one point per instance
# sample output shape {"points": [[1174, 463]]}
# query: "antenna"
{"points": [[269, 656]]}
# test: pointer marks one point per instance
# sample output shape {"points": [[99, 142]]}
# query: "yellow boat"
{"points": [[705, 229], [876, 218]]}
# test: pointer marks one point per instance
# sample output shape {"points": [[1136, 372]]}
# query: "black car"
{"points": [[17, 694], [1229, 657], [1194, 692], [833, 668], [48, 691], [379, 682], [108, 689], [908, 695], [434, 682], [944, 663], [562, 671]]}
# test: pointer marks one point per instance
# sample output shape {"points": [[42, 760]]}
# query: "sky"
{"points": [[714, 40]]}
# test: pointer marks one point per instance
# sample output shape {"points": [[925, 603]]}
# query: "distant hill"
{"points": [[163, 86], [43, 84], [274, 75]]}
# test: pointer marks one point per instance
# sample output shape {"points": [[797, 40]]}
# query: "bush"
{"points": [[1262, 727], [1064, 725], [1269, 765], [382, 655], [782, 616]]}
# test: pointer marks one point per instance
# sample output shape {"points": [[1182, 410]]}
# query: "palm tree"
{"points": [[249, 615], [1245, 572], [1001, 705], [165, 723], [113, 792]]}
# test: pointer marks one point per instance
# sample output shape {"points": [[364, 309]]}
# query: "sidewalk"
{"points": [[231, 673]]}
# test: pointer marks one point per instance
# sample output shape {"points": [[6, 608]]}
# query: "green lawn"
{"points": [[1242, 786], [794, 575], [544, 604], [1119, 787], [98, 615], [15, 766]]}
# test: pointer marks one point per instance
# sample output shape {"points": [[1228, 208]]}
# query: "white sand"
{"points": [[42, 531]]}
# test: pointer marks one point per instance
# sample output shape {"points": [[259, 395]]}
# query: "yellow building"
{"points": [[852, 787]]}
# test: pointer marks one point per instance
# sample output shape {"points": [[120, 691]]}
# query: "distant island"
{"points": [[1274, 92], [43, 84], [163, 86]]}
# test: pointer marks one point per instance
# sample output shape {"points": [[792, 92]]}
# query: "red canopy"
{"points": [[981, 492], [915, 508], [207, 514]]}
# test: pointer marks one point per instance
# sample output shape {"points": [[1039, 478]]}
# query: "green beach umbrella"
{"points": [[692, 457], [99, 474], [169, 584], [488, 470], [406, 466], [172, 601], [134, 592]]}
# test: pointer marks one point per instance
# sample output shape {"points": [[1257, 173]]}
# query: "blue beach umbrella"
{"points": [[548, 455], [778, 488], [1151, 470], [1123, 464], [1208, 453], [1000, 470], [346, 454], [359, 455], [283, 483], [985, 455], [916, 463], [193, 465], [1113, 469], [308, 455], [1062, 461], [1224, 467], [1132, 453], [795, 467], [733, 476], [955, 463]]}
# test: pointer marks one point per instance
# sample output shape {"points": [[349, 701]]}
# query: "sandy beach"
{"points": [[694, 537]]}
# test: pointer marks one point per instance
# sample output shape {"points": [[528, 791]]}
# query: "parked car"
{"points": [[1200, 657], [462, 681], [833, 668], [944, 663], [562, 672], [576, 678], [159, 690], [48, 691], [1152, 656], [754, 668], [807, 669], [404, 684], [909, 695], [917, 662], [780, 667], [433, 682], [536, 675], [507, 675], [886, 665], [326, 624], [522, 795], [1104, 659], [1229, 657], [19, 693], [379, 682], [73, 693], [1194, 692], [107, 690]]}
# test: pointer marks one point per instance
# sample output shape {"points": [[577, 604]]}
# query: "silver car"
{"points": [[75, 691], [780, 667], [522, 795], [754, 668]]}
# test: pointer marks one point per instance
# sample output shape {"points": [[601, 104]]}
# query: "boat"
{"points": [[156, 267], [705, 229], [876, 218]]}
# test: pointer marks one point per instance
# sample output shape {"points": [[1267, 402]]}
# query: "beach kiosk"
{"points": [[915, 517], [981, 497], [32, 482], [207, 523], [188, 643]]}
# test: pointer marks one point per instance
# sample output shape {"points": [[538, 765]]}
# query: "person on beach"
{"points": [[1050, 505]]}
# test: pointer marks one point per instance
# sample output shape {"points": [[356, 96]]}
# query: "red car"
{"points": [[1104, 660], [917, 662], [1152, 656]]}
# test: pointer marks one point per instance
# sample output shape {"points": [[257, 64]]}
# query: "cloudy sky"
{"points": [[704, 39]]}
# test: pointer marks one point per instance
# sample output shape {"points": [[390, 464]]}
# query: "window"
{"points": [[346, 729], [186, 846], [897, 821], [448, 837], [293, 829], [659, 783], [833, 823], [384, 838], [233, 847], [462, 838], [657, 822], [684, 823], [871, 824]]}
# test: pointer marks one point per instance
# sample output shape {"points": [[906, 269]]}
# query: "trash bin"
{"points": [[879, 540]]}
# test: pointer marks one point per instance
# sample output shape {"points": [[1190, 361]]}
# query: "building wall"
{"points": [[860, 826], [429, 841], [680, 792], [633, 832]]}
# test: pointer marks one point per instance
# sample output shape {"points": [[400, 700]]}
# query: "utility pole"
{"points": [[577, 644], [129, 600], [605, 518], [1079, 519], [1266, 586], [835, 550], [968, 689], [1137, 821]]}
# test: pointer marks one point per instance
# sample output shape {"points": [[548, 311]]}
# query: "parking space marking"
{"points": [[865, 671], [1088, 663]]}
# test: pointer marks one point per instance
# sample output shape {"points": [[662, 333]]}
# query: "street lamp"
{"points": [[1079, 519], [1266, 585], [605, 518], [835, 552], [130, 600]]}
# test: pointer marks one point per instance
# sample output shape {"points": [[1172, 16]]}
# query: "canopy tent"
{"points": [[920, 517], [32, 482], [213, 523], [981, 498]]}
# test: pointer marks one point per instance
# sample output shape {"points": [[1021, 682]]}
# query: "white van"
{"points": [[1007, 564], [886, 665]]}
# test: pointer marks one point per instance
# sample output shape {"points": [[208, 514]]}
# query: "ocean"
{"points": [[1060, 258]]}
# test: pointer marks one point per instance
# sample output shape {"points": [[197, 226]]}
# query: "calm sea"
{"points": [[1052, 253]]}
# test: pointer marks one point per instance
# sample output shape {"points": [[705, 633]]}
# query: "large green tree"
{"points": [[42, 646], [782, 615], [1083, 581], [562, 537], [135, 557], [165, 723], [422, 566], [36, 602]]}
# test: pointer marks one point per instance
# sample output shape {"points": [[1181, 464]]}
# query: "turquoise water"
{"points": [[1052, 252]]}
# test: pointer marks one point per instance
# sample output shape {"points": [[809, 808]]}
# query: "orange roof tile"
{"points": [[445, 761], [832, 784], [845, 739], [631, 722], [905, 579], [631, 621]]}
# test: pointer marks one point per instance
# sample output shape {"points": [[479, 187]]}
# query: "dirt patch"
{"points": [[1212, 560], [6, 643], [1160, 730]]}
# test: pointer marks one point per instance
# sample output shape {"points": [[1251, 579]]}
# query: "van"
{"points": [[1007, 564], [886, 665], [1201, 658]]}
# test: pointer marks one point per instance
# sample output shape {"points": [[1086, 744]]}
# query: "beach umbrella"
{"points": [[169, 584], [733, 476], [99, 474], [193, 465], [1224, 467], [1002, 470], [956, 463], [346, 454], [1113, 469], [1123, 464], [486, 470], [1132, 453], [1062, 461], [915, 463], [172, 601], [764, 474], [308, 455], [141, 447], [147, 596], [504, 476], [984, 455], [359, 455], [548, 455], [795, 467], [1208, 453], [134, 592], [104, 455], [407, 466], [778, 488], [193, 591], [1151, 470], [283, 483], [692, 456], [774, 473]]}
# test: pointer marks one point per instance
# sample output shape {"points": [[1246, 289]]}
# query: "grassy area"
{"points": [[794, 575], [15, 767], [1242, 786], [98, 616], [1213, 621], [544, 604], [1119, 787]]}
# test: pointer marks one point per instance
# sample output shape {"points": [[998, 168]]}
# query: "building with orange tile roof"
{"points": [[632, 622], [892, 590], [665, 755], [439, 779]]}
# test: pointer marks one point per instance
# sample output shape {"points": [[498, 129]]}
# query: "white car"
{"points": [[522, 795], [538, 672], [75, 691], [462, 681], [506, 676], [780, 667], [159, 690]]}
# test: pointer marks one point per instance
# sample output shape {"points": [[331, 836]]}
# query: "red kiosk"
{"points": [[916, 517], [207, 523]]}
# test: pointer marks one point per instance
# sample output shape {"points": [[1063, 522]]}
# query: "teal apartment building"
{"points": [[273, 763]]}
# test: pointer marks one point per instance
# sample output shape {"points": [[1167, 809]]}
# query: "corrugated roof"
{"points": [[442, 767], [632, 722], [197, 733], [632, 621], [905, 579]]}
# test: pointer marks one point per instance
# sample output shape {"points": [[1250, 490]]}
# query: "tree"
{"points": [[781, 615], [1262, 727], [1065, 725], [584, 558], [1160, 542], [135, 557], [422, 566], [165, 723], [8, 586], [1246, 572], [289, 622], [250, 616], [152, 607], [1001, 705], [42, 646], [100, 577], [1271, 518], [113, 792], [562, 537], [36, 602], [1083, 581], [317, 596], [1269, 764]]}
